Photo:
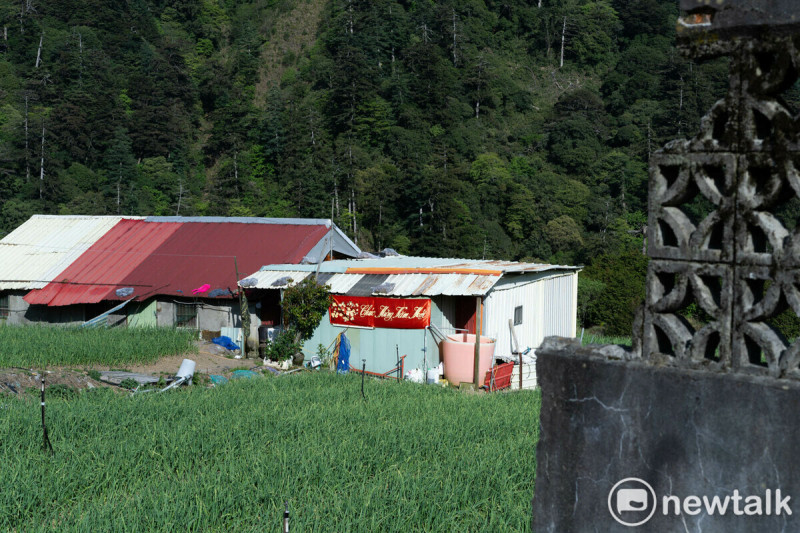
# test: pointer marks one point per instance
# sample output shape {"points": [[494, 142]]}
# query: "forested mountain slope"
{"points": [[513, 129]]}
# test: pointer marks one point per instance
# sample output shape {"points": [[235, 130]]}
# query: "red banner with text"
{"points": [[370, 312]]}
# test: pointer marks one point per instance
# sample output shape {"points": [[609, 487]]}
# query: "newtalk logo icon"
{"points": [[632, 502]]}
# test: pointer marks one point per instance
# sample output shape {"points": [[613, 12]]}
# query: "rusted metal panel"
{"points": [[412, 276], [427, 285], [481, 285]]}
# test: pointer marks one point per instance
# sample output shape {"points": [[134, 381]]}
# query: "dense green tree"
{"points": [[477, 128], [623, 278]]}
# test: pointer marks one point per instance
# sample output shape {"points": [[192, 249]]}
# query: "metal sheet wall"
{"points": [[549, 307], [446, 317], [142, 314], [377, 346]]}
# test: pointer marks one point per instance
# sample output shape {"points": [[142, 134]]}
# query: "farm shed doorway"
{"points": [[270, 312], [465, 313]]}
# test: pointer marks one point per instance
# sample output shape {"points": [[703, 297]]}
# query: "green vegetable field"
{"points": [[408, 458], [37, 346]]}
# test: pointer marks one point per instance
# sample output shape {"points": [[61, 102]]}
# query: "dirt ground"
{"points": [[20, 380], [206, 361]]}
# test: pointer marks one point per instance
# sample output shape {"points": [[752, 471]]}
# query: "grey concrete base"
{"points": [[685, 432]]}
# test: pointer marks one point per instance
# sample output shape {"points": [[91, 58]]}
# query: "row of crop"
{"points": [[39, 346], [408, 458]]}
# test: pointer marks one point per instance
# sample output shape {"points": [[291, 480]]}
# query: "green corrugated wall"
{"points": [[377, 346], [142, 314]]}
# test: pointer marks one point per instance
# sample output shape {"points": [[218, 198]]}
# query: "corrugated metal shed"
{"points": [[175, 257], [548, 307], [41, 248], [545, 294]]}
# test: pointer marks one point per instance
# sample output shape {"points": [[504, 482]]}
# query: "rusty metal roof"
{"points": [[42, 247], [419, 264], [404, 276], [404, 284]]}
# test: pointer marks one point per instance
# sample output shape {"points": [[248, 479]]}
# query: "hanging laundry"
{"points": [[201, 288]]}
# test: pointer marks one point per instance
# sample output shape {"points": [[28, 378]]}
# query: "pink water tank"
{"points": [[458, 356]]}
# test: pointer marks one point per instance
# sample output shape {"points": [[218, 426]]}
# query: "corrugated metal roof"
{"points": [[41, 248], [365, 285], [410, 276], [441, 284], [102, 268], [335, 241], [246, 220], [339, 283], [422, 263], [404, 284], [174, 258]]}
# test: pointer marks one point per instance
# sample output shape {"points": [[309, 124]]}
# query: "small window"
{"points": [[517, 315], [186, 316], [3, 306]]}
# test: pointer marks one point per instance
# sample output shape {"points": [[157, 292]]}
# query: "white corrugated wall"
{"points": [[549, 307]]}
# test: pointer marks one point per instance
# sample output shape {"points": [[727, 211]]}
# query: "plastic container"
{"points": [[432, 376], [263, 337], [458, 356], [186, 370], [502, 377]]}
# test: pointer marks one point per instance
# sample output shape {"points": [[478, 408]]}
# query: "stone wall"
{"points": [[684, 432], [702, 409]]}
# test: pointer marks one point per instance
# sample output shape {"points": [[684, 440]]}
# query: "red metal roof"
{"points": [[175, 257]]}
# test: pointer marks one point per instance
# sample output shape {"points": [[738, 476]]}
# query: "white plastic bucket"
{"points": [[186, 370]]}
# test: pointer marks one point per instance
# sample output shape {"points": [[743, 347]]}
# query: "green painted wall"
{"points": [[142, 314]]}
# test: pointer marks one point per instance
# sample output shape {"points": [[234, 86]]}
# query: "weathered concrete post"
{"points": [[696, 428]]}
